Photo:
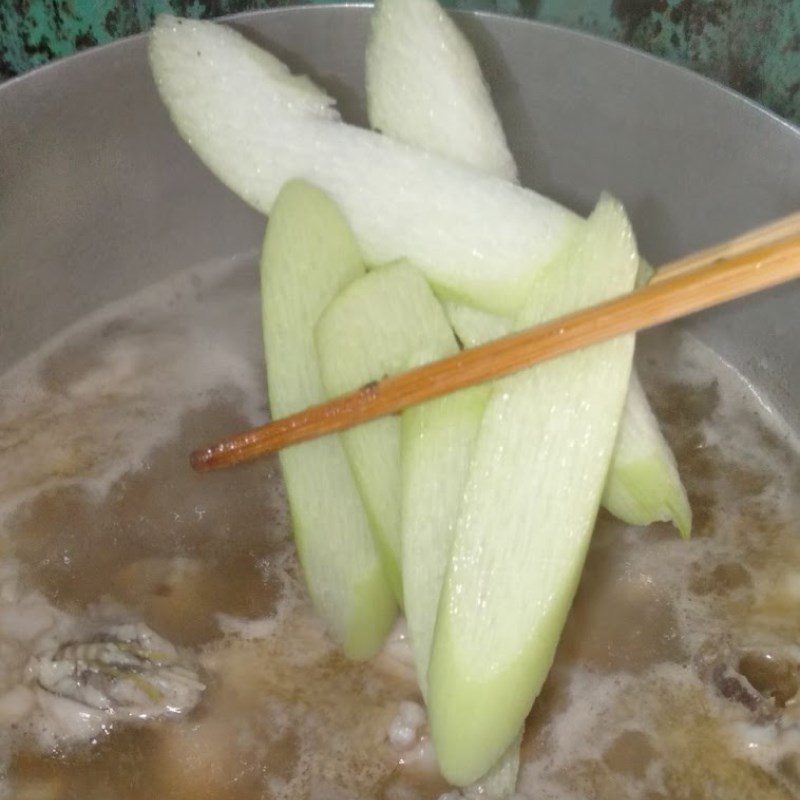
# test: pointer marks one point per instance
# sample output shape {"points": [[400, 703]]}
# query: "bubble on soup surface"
{"points": [[631, 753], [723, 578], [774, 675], [396, 658]]}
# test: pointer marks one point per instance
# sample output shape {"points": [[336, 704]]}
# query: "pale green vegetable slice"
{"points": [[411, 469], [380, 324], [437, 442], [475, 237], [643, 484], [425, 87], [530, 503], [377, 326], [309, 256]]}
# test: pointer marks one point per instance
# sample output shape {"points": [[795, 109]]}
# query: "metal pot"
{"points": [[99, 197]]}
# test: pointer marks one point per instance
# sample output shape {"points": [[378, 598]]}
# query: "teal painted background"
{"points": [[752, 45]]}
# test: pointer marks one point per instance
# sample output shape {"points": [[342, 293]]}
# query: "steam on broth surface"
{"points": [[677, 675]]}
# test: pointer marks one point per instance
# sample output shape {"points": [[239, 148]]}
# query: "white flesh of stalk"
{"points": [[530, 502], [476, 237], [379, 325], [418, 59], [424, 86], [309, 256]]}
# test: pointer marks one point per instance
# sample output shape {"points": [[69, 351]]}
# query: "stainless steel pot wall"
{"points": [[99, 197]]}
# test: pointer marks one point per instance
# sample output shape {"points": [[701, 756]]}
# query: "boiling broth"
{"points": [[673, 679]]}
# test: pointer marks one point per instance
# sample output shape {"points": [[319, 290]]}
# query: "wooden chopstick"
{"points": [[756, 261], [771, 233]]}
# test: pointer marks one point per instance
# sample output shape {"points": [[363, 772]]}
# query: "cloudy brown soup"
{"points": [[677, 673]]}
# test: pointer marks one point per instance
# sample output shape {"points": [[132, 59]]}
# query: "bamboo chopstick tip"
{"points": [[202, 460]]}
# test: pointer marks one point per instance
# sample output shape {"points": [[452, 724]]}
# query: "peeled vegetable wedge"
{"points": [[383, 323], [530, 502], [309, 256], [418, 60], [437, 442], [379, 325], [424, 86], [643, 484], [474, 236]]}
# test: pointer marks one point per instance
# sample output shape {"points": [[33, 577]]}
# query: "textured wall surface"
{"points": [[752, 45]]}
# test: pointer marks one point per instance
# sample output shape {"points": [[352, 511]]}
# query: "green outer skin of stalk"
{"points": [[470, 703], [640, 490], [478, 700], [348, 589], [373, 605], [374, 609], [645, 273], [437, 440]]}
